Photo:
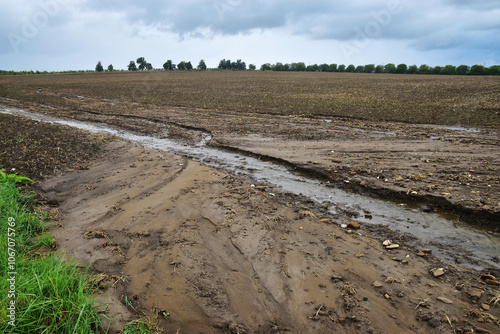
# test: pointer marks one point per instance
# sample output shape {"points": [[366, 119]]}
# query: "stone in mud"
{"points": [[438, 272], [392, 246], [444, 300], [354, 225], [434, 322], [476, 294], [485, 307], [377, 284], [425, 208]]}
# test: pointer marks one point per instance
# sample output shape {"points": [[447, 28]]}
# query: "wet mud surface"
{"points": [[226, 254]]}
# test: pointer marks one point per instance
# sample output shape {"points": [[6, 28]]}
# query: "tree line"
{"points": [[226, 64], [387, 68]]}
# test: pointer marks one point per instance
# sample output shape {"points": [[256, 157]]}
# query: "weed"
{"points": [[141, 326], [50, 294]]}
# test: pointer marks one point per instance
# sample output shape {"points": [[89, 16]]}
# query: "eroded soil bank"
{"points": [[222, 254]]}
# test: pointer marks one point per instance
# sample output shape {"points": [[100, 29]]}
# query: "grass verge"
{"points": [[41, 293]]}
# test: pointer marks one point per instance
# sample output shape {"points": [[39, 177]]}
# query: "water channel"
{"points": [[434, 229]]}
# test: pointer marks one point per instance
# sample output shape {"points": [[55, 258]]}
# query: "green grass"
{"points": [[51, 295]]}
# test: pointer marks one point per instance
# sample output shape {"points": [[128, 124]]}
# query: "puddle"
{"points": [[434, 229]]}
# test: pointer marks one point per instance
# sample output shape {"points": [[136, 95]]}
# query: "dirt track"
{"points": [[221, 255]]}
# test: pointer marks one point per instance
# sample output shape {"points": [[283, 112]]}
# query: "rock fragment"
{"points": [[354, 225], [437, 272]]}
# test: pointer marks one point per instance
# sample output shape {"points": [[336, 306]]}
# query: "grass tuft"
{"points": [[51, 294]]}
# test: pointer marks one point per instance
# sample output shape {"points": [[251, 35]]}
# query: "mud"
{"points": [[224, 254]]}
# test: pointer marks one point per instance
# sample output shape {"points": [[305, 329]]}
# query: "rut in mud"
{"points": [[220, 254]]}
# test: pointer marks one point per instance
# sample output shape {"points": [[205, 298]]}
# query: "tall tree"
{"points": [[98, 67], [477, 70], [350, 68], [449, 70], [189, 66], [142, 63], [390, 68], [168, 65], [266, 67], [402, 68], [369, 68], [131, 66], [342, 68], [379, 69], [424, 69], [462, 69], [201, 65], [110, 68], [412, 69]]}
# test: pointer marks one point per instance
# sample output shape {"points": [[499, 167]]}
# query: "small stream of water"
{"points": [[432, 228]]}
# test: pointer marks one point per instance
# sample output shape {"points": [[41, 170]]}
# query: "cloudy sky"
{"points": [[57, 35]]}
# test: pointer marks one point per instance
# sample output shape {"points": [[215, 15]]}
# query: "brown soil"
{"points": [[223, 255]]}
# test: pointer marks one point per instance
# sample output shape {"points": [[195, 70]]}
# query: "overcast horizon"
{"points": [[59, 35]]}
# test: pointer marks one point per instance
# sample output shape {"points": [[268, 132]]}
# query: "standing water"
{"points": [[433, 229]]}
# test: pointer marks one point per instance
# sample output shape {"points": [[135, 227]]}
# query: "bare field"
{"points": [[447, 100], [224, 254]]}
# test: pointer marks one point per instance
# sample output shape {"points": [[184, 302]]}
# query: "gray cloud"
{"points": [[424, 27]]}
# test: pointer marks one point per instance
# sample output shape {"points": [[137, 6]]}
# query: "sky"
{"points": [[59, 35]]}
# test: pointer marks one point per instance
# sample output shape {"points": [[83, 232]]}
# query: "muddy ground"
{"points": [[224, 254]]}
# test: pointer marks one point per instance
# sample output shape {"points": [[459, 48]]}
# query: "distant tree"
{"points": [[98, 67], [278, 67], [379, 69], [323, 67], [477, 70], [182, 66], [149, 67], [493, 70], [390, 68], [299, 67], [350, 68], [201, 65], [110, 68], [266, 67], [312, 68], [332, 68], [424, 69], [402, 68], [462, 69], [436, 70], [142, 63], [239, 65], [359, 69], [449, 70], [223, 65], [252, 67], [413, 69], [169, 66], [131, 66], [189, 66], [369, 68], [341, 68]]}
